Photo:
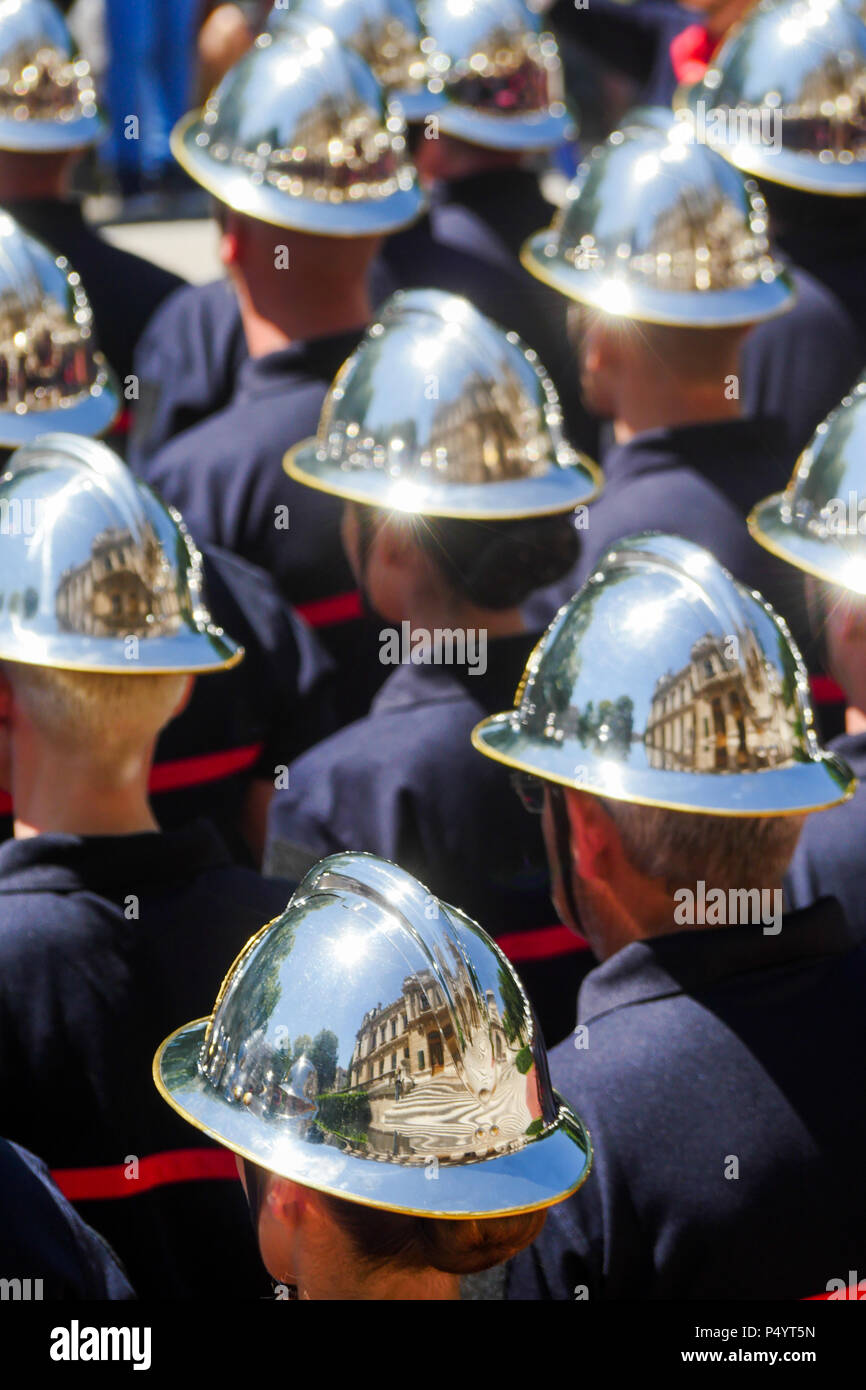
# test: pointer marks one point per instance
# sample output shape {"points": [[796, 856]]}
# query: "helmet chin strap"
{"points": [[562, 840]]}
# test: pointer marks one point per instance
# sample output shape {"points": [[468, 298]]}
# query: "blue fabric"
{"points": [[405, 783], [697, 481], [704, 1047], [88, 991], [226, 477], [831, 853], [43, 1237], [632, 39], [151, 58]]}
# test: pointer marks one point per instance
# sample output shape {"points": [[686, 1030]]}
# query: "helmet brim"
{"points": [[417, 104], [764, 299], [795, 789], [559, 490], [234, 187], [825, 557], [526, 132], [91, 414], [543, 1171], [193, 651], [789, 168], [47, 137]]}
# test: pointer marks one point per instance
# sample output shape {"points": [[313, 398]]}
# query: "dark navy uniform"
{"points": [[242, 724], [43, 1238], [799, 365], [826, 237], [405, 783], [636, 40], [123, 289], [727, 1133], [106, 945], [189, 357], [226, 478], [831, 853], [469, 245], [698, 481]]}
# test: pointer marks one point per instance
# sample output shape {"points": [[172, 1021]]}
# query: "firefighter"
{"points": [[664, 731], [355, 1193]]}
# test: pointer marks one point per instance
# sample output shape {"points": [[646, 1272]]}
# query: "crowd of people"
{"points": [[433, 662]]}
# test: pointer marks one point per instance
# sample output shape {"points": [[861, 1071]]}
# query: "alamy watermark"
{"points": [[439, 646], [730, 125], [736, 907], [21, 518]]}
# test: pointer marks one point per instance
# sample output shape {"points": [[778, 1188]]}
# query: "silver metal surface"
{"points": [[658, 228], [441, 413], [47, 95], [819, 522], [52, 375], [804, 66], [500, 73], [387, 34], [95, 573], [298, 134], [425, 1083], [667, 683]]}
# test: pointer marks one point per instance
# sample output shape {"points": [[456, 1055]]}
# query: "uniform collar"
{"points": [[705, 447], [493, 690], [318, 358], [692, 961], [109, 863], [852, 747]]}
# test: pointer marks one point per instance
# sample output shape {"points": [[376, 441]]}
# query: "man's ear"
{"points": [[186, 696], [6, 698], [231, 239], [594, 837]]}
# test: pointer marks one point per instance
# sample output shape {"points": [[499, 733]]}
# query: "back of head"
{"points": [[107, 721], [416, 1243], [497, 565]]}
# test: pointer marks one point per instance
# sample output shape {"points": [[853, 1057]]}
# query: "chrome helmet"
{"points": [[388, 36], [47, 94], [95, 573], [659, 228], [298, 134], [428, 1061], [441, 413], [784, 98], [819, 522], [52, 375], [667, 683], [501, 75]]}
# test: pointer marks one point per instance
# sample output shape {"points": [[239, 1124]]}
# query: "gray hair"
{"points": [[726, 851]]}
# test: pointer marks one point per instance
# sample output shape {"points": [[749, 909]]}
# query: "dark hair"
{"points": [[495, 564], [463, 1246]]}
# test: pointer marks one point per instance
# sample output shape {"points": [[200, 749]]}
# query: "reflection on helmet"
{"points": [[789, 87], [441, 413], [95, 573], [367, 1032], [818, 522], [298, 134], [386, 33], [51, 374], [501, 75], [47, 96], [665, 682], [664, 230]]}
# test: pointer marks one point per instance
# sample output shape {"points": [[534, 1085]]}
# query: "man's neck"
{"points": [[642, 413], [855, 718], [303, 318], [68, 800]]}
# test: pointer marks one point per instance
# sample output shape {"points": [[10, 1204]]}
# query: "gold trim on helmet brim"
{"points": [[754, 304], [385, 496], [378, 1173], [787, 542], [826, 763]]}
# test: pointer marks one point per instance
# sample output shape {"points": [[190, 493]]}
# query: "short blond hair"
{"points": [[105, 717]]}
